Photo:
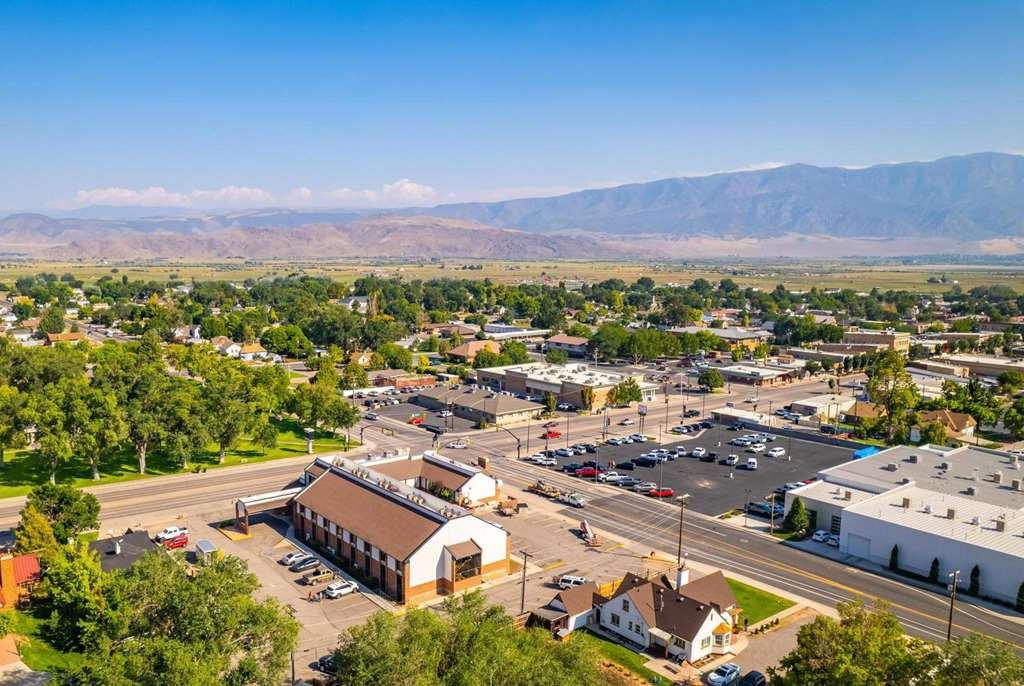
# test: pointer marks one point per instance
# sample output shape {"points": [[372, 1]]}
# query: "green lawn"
{"points": [[36, 652], [757, 604], [631, 660], [23, 470]]}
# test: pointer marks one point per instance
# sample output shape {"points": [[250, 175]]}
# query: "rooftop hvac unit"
{"points": [[975, 521], [847, 495], [944, 465], [1018, 484], [974, 474], [927, 509], [892, 466], [950, 513], [913, 459], [997, 477], [1000, 525], [906, 503], [971, 490]]}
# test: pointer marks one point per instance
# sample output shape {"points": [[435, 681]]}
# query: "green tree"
{"points": [[933, 571], [812, 367], [470, 643], [69, 510], [550, 402], [1010, 382], [625, 392], [556, 356], [395, 356], [264, 434], [894, 559], [973, 398], [587, 398], [35, 535], [891, 386], [609, 341], [710, 379], [580, 330], [52, 320], [229, 401], [1013, 419], [933, 433], [354, 376], [975, 583], [516, 352], [72, 589], [797, 520], [979, 661], [864, 647], [12, 420]]}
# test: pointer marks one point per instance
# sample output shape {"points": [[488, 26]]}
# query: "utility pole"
{"points": [[679, 547], [522, 590], [771, 522], [952, 600], [746, 508]]}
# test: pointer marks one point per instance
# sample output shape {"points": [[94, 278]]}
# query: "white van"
{"points": [[569, 581], [752, 463]]}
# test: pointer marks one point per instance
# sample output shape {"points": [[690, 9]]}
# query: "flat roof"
{"points": [[578, 373], [823, 491], [973, 522], [981, 359], [756, 372], [825, 400], [482, 400], [729, 333], [969, 467]]}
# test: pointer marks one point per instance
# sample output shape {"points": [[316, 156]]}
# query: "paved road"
{"points": [[636, 517]]}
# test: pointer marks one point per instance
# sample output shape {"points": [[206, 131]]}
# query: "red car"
{"points": [[588, 472], [416, 420], [551, 434], [179, 541], [661, 493]]}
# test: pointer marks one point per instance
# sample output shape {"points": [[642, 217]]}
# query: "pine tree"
{"points": [[35, 535], [797, 520], [975, 584], [933, 572], [894, 559]]}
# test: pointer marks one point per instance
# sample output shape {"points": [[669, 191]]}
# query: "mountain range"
{"points": [[955, 204]]}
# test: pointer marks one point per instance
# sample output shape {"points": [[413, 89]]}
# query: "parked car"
{"points": [[292, 557], [731, 460], [627, 482], [565, 452], [725, 675], [752, 464], [820, 536], [609, 477], [317, 576], [171, 532], [179, 541], [415, 421], [753, 678], [342, 587], [833, 541], [698, 452], [645, 461], [644, 486], [691, 413], [590, 447], [326, 664], [572, 499], [680, 451], [709, 457], [588, 472], [756, 448], [615, 441], [304, 565], [661, 493], [567, 581], [627, 465], [571, 467], [778, 451], [547, 462], [433, 428]]}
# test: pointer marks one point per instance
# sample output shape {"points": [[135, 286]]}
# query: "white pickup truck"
{"points": [[574, 499], [171, 532]]}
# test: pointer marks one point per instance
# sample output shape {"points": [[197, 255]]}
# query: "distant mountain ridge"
{"points": [[969, 197]]}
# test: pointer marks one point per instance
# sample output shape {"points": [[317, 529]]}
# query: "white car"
{"points": [[698, 452], [615, 441], [680, 451], [292, 557], [732, 460], [444, 413], [458, 445], [337, 589], [569, 581], [776, 452], [644, 486], [756, 448], [171, 532], [628, 421], [833, 541], [820, 536], [609, 477], [638, 438], [565, 452]]}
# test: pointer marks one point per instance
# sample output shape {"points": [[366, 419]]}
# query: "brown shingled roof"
{"points": [[387, 522], [676, 612], [404, 470]]}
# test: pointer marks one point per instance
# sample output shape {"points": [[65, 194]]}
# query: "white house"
{"points": [[225, 346]]}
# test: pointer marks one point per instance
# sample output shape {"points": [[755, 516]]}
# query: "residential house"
{"points": [[356, 303], [400, 378], [17, 574], [688, 623], [121, 552], [449, 329], [862, 411], [573, 346], [468, 351], [225, 346], [64, 337], [571, 609], [958, 425], [252, 351], [362, 358]]}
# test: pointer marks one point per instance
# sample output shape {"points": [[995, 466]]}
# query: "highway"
{"points": [[923, 612]]}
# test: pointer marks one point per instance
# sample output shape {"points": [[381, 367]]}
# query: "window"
{"points": [[705, 642], [720, 639], [625, 606], [638, 629], [615, 620], [631, 626], [345, 536]]}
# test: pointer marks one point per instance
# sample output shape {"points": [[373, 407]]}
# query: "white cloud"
{"points": [[401, 192], [153, 196], [233, 196]]}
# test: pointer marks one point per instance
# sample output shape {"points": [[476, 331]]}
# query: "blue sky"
{"points": [[385, 103]]}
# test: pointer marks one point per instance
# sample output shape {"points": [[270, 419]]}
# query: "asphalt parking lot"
{"points": [[404, 410], [716, 488]]}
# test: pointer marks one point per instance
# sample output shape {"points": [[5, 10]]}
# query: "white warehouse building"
{"points": [[961, 506]]}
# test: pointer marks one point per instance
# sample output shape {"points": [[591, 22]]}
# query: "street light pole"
{"points": [[955, 575], [746, 507]]}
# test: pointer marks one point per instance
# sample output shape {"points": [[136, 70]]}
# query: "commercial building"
{"points": [[757, 375], [827, 406], [414, 545], [892, 340], [735, 336], [449, 479], [573, 346], [962, 507], [509, 332], [479, 405], [984, 365], [565, 381], [400, 378]]}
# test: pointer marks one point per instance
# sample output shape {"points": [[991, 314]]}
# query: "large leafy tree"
{"points": [[710, 379], [471, 643], [69, 510], [890, 385], [1013, 419], [230, 404], [625, 392], [34, 534], [12, 419], [973, 398]]}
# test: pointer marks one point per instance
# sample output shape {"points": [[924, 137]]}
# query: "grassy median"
{"points": [[757, 605]]}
